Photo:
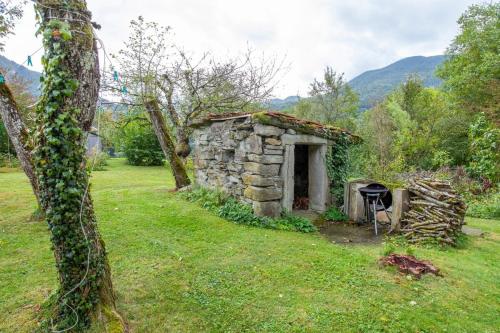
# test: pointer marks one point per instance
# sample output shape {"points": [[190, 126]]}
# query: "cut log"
{"points": [[436, 212]]}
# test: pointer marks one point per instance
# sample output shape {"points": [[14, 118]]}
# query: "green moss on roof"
{"points": [[285, 121]]}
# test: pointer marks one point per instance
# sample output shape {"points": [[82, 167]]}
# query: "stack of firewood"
{"points": [[436, 212]]}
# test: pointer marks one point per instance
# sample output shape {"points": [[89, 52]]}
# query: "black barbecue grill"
{"points": [[377, 198]]}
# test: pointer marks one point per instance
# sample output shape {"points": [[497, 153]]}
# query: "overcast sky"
{"points": [[351, 36]]}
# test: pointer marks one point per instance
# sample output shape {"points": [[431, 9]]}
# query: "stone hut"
{"points": [[271, 160]]}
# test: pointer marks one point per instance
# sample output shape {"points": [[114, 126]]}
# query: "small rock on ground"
{"points": [[472, 231]]}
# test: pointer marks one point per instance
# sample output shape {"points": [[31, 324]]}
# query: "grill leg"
{"points": [[375, 216], [367, 210]]}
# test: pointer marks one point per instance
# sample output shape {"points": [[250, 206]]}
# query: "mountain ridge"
{"points": [[373, 85], [30, 76]]}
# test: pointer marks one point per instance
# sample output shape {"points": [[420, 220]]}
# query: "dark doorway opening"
{"points": [[301, 177]]}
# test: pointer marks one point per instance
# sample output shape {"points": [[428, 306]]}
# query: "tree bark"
{"points": [[18, 134], [167, 144], [182, 148], [85, 296]]}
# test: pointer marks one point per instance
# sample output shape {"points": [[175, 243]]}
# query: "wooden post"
{"points": [[400, 205]]}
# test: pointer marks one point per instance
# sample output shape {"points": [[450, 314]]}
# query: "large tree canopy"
{"points": [[332, 101], [472, 71]]}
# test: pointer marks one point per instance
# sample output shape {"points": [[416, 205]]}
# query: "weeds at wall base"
{"points": [[232, 210]]}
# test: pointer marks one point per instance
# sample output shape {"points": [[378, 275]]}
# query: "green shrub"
{"points": [[333, 214], [486, 206], [143, 157], [240, 213], [140, 144], [208, 199], [232, 210], [8, 161], [293, 222], [441, 159], [484, 157]]}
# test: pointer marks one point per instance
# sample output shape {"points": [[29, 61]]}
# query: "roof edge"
{"points": [[284, 121]]}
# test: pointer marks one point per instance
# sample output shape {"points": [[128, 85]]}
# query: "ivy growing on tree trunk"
{"points": [[70, 89]]}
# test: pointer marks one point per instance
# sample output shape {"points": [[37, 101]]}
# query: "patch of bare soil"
{"points": [[352, 233]]}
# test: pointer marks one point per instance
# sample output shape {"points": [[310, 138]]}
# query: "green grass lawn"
{"points": [[178, 268]]}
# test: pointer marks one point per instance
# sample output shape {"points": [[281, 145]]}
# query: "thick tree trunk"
{"points": [[167, 144], [18, 134], [67, 105], [182, 148]]}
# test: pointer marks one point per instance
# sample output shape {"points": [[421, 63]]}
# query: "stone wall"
{"points": [[242, 158]]}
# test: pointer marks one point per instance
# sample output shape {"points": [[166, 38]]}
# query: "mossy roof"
{"points": [[285, 121]]}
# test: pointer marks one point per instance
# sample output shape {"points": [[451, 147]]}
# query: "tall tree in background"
{"points": [[472, 71], [472, 76], [218, 86], [338, 102], [69, 96], [175, 88], [143, 61], [413, 128]]}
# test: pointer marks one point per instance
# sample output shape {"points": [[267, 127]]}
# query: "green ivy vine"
{"points": [[60, 163], [337, 166]]}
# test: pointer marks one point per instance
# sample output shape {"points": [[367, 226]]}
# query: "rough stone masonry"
{"points": [[251, 156], [243, 158]]}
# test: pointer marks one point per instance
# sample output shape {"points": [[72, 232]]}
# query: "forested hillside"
{"points": [[374, 85], [31, 77]]}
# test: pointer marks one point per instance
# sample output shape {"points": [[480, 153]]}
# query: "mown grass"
{"points": [[178, 268]]}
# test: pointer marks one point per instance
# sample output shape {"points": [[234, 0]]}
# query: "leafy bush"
{"points": [[293, 222], [481, 197], [240, 213], [484, 157], [143, 157], [485, 206], [208, 199], [441, 159], [97, 161], [230, 209], [140, 145], [333, 214], [9, 161]]}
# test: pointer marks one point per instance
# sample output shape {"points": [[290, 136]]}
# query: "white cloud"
{"points": [[351, 36]]}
